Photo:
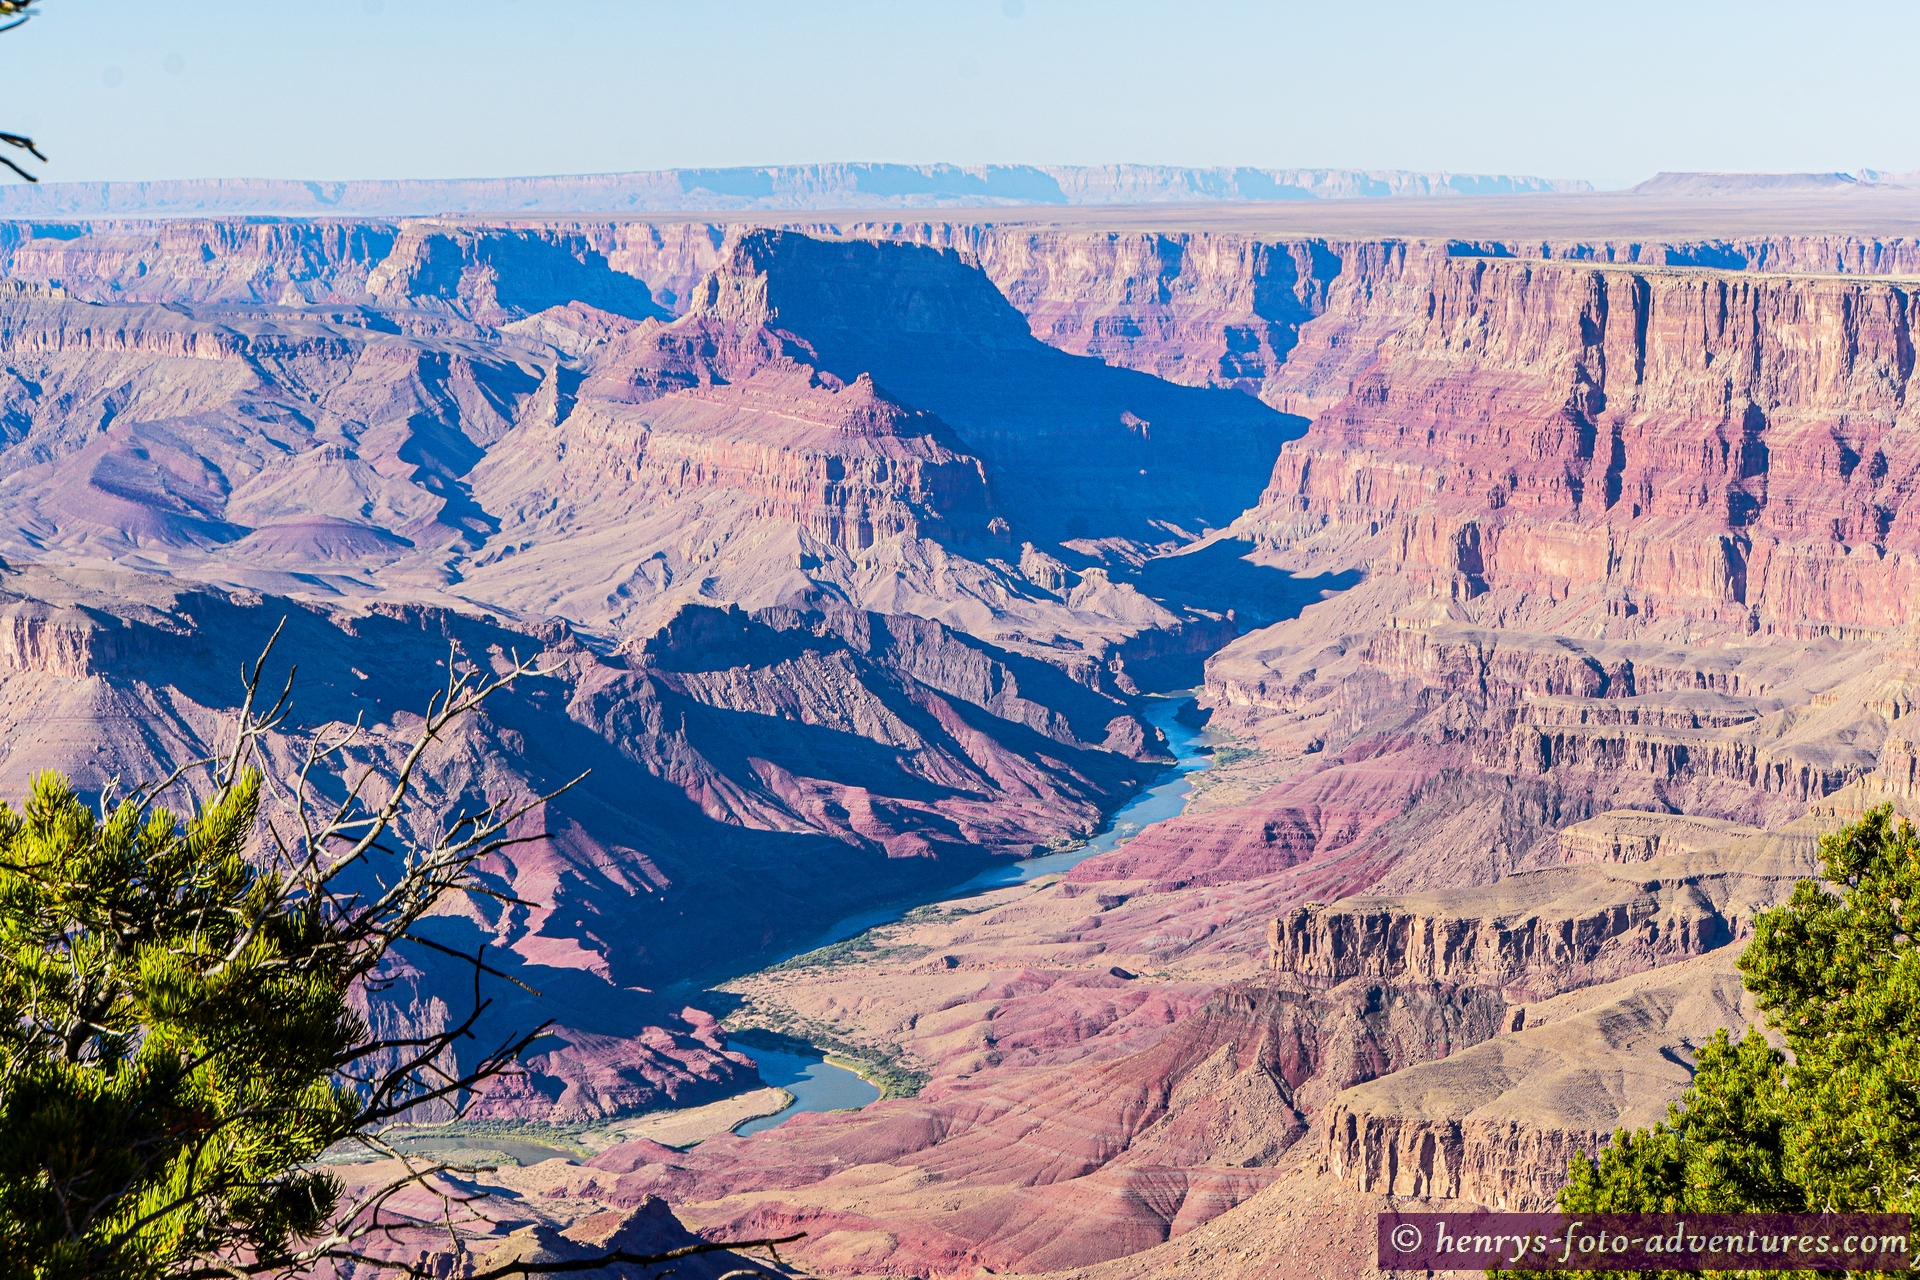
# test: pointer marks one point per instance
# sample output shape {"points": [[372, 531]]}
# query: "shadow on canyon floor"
{"points": [[1218, 577]]}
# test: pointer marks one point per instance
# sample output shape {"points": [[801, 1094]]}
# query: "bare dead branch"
{"points": [[613, 1258], [305, 857], [18, 11]]}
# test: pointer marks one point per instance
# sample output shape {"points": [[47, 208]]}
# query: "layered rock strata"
{"points": [[833, 759], [1497, 1124], [849, 556], [1663, 444], [1060, 1170]]}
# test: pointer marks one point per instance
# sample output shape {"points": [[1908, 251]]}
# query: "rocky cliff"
{"points": [[1064, 1169], [831, 759], [1496, 1124], [198, 260], [513, 386], [1710, 446], [1616, 524], [1535, 664], [1227, 308]]}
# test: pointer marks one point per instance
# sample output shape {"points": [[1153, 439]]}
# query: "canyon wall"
{"points": [[1721, 448], [1226, 308], [831, 759], [1554, 596], [1496, 1124]]}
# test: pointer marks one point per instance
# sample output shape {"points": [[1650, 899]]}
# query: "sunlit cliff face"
{"points": [[1547, 599]]}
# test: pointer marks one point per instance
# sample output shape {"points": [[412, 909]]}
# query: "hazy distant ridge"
{"points": [[1728, 184], [815, 186]]}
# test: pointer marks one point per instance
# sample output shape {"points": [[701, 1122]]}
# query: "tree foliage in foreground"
{"points": [[1834, 1123], [168, 1037], [177, 1036], [178, 1041]]}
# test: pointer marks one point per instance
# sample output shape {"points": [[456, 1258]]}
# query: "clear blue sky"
{"points": [[125, 89]]}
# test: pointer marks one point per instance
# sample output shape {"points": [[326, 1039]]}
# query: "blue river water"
{"points": [[818, 1085], [1165, 799]]}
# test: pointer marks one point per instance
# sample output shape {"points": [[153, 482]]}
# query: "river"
{"points": [[818, 1085], [1192, 752], [815, 1083]]}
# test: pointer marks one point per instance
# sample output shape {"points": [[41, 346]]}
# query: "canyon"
{"points": [[1545, 594]]}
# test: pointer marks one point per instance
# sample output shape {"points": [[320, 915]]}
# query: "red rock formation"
{"points": [[1122, 450], [745, 489], [1062, 1169], [831, 760], [852, 555], [198, 259], [1496, 1124], [1228, 308], [844, 462], [1311, 817], [1204, 310], [1662, 440], [1541, 933]]}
